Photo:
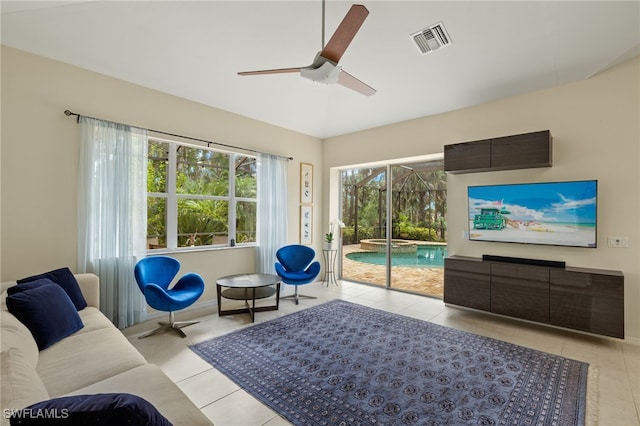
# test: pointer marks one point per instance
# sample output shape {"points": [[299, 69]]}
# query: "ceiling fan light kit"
{"points": [[325, 68]]}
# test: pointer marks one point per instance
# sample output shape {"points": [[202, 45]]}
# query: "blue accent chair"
{"points": [[296, 267], [154, 275]]}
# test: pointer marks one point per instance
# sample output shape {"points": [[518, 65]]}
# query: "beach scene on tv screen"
{"points": [[556, 213]]}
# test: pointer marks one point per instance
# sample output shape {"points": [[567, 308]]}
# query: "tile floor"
{"points": [[227, 405]]}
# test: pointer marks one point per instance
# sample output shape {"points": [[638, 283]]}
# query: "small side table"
{"points": [[329, 257], [248, 287]]}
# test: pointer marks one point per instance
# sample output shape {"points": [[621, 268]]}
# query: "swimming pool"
{"points": [[426, 257]]}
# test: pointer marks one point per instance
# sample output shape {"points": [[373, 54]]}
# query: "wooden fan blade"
{"points": [[345, 32], [347, 80], [276, 71]]}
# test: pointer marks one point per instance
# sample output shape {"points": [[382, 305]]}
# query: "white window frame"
{"points": [[171, 196]]}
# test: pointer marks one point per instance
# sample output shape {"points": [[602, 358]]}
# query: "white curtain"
{"points": [[272, 210], [112, 214]]}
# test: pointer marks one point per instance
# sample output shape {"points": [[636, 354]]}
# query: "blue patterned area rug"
{"points": [[340, 363]]}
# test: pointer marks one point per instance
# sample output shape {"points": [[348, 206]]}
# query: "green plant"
{"points": [[328, 237], [404, 225]]}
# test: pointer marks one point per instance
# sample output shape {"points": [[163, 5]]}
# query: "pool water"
{"points": [[426, 257]]}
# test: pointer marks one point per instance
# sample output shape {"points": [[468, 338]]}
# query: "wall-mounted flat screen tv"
{"points": [[551, 213]]}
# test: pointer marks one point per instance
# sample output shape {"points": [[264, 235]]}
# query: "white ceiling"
{"points": [[194, 50]]}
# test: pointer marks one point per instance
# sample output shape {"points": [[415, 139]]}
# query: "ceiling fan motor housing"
{"points": [[327, 73]]}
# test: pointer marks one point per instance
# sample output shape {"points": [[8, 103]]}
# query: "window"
{"points": [[198, 196]]}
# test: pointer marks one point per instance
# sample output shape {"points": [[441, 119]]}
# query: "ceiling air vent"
{"points": [[431, 38]]}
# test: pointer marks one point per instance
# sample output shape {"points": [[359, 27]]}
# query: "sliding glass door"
{"points": [[364, 213], [418, 237], [410, 256]]}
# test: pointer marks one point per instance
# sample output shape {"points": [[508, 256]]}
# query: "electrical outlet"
{"points": [[618, 242]]}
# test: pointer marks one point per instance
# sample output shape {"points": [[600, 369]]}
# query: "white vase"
{"points": [[328, 246]]}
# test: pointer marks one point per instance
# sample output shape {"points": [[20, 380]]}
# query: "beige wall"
{"points": [[595, 125], [594, 122], [39, 155]]}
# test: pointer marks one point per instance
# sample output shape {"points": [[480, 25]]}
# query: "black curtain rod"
{"points": [[69, 113]]}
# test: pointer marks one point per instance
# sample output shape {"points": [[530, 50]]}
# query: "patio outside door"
{"points": [[364, 207], [410, 256], [418, 227]]}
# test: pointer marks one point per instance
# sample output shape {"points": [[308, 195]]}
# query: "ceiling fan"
{"points": [[325, 68]]}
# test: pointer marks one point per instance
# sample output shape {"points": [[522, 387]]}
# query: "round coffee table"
{"points": [[248, 287]]}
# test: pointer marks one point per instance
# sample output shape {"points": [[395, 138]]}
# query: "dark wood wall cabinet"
{"points": [[589, 300], [523, 151]]}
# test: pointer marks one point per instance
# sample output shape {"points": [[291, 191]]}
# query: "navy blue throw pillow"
{"points": [[47, 312], [65, 279], [105, 409], [29, 285]]}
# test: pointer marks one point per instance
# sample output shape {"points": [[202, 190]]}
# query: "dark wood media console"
{"points": [[590, 300]]}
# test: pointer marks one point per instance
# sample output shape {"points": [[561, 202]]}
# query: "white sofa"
{"points": [[95, 359]]}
